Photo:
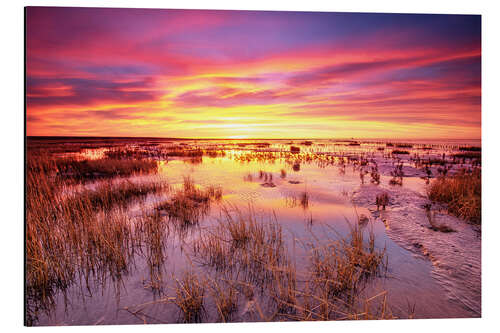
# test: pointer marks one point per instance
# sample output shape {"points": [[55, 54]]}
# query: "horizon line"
{"points": [[222, 138]]}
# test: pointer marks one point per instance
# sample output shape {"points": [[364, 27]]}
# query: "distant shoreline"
{"points": [[36, 137]]}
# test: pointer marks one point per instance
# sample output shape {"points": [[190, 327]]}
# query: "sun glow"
{"points": [[324, 77]]}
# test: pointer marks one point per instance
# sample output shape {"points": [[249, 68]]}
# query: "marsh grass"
{"points": [[304, 199], [469, 148], [109, 194], [254, 254], [190, 293], [461, 192], [69, 242], [382, 200], [102, 168], [152, 231], [87, 235], [190, 204], [240, 243], [375, 175], [400, 152], [397, 175], [375, 308], [225, 297], [339, 267], [468, 155], [82, 235]]}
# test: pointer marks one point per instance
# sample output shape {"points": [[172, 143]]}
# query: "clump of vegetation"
{"points": [[435, 161], [382, 200], [241, 243], [468, 155], [189, 298], [404, 145], [108, 194], [283, 173], [189, 204], [397, 175], [339, 268], [400, 152], [304, 199], [255, 254], [88, 236], [102, 168], [461, 192], [226, 300], [267, 177], [469, 148], [375, 175], [193, 152], [151, 231], [248, 177], [362, 174]]}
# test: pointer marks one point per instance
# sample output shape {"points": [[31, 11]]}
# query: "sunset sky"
{"points": [[247, 74]]}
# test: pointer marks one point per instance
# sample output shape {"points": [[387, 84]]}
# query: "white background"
{"points": [[11, 176]]}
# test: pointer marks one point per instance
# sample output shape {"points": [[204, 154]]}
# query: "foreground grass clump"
{"points": [[340, 266], [150, 234], [66, 241], [241, 243], [189, 298], [74, 235], [461, 192], [225, 298], [254, 257]]}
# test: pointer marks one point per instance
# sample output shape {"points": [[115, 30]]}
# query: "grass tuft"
{"points": [[189, 298], [461, 192]]}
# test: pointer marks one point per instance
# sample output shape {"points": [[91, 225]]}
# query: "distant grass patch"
{"points": [[102, 168], [108, 195], [404, 145], [400, 152], [461, 192], [469, 148], [469, 154]]}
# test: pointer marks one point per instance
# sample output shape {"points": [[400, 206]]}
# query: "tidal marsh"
{"points": [[253, 231]]}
